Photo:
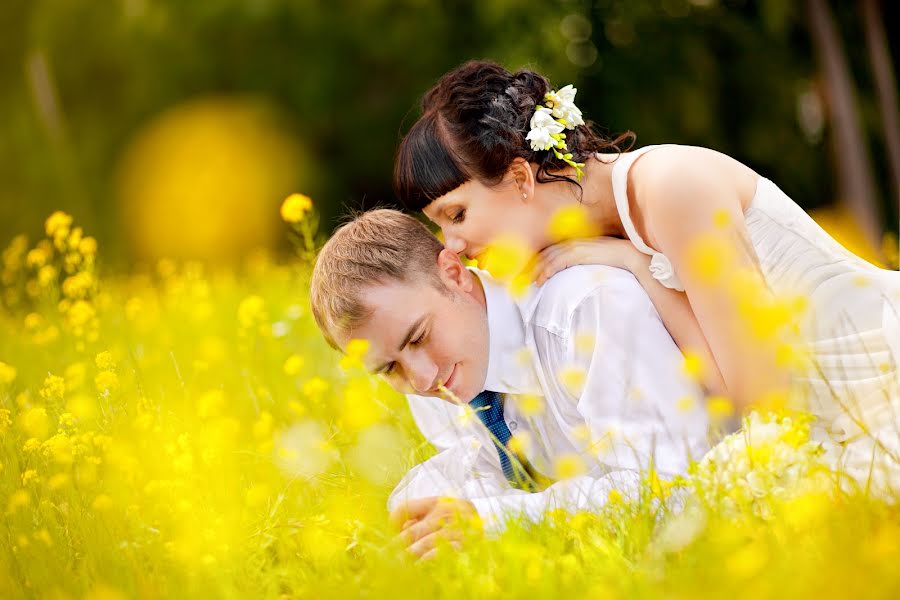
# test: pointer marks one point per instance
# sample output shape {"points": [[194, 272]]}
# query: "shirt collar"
{"points": [[510, 369]]}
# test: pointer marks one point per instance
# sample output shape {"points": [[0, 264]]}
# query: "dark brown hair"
{"points": [[473, 125]]}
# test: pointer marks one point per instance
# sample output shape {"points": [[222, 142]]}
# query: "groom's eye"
{"points": [[458, 217]]}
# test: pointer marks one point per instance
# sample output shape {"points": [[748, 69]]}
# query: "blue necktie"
{"points": [[489, 408]]}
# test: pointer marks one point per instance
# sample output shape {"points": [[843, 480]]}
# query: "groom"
{"points": [[576, 381]]}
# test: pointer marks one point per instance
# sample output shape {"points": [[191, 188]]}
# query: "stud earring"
{"points": [[524, 195]]}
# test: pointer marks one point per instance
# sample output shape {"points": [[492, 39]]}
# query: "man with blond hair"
{"points": [[552, 399]]}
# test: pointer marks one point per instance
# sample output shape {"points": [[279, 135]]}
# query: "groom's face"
{"points": [[422, 337]]}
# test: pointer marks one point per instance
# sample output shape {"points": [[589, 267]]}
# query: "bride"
{"points": [[717, 247]]}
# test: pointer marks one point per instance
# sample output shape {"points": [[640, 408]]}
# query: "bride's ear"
{"points": [[522, 177]]}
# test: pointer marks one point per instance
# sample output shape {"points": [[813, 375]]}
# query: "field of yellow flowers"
{"points": [[184, 432]]}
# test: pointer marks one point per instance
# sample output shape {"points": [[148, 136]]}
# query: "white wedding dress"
{"points": [[852, 329]]}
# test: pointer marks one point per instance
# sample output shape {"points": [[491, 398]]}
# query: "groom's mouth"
{"points": [[448, 383]]}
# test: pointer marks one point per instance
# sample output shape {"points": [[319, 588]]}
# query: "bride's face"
{"points": [[474, 215]]}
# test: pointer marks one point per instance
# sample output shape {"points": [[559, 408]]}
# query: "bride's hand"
{"points": [[603, 250]]}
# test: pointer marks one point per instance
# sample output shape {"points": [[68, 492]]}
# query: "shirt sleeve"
{"points": [[465, 470], [616, 362]]}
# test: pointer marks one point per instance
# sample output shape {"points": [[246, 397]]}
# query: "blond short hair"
{"points": [[377, 246]]}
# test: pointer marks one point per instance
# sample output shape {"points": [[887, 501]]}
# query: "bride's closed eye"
{"points": [[459, 216]]}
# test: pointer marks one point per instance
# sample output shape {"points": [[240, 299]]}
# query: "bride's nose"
{"points": [[454, 243]]}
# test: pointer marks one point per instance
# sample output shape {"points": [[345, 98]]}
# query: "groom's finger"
{"points": [[412, 510]]}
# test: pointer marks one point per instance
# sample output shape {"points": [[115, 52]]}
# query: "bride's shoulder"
{"points": [[672, 175]]}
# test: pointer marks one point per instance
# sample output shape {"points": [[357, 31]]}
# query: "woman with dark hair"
{"points": [[497, 154]]}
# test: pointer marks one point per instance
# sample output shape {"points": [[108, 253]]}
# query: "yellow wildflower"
{"points": [[572, 378], [293, 365], [88, 246], [17, 500], [251, 311], [719, 407], [693, 365], [295, 207], [30, 476], [35, 422], [506, 257], [106, 382], [315, 387], [58, 481], [47, 275], [709, 258], [104, 361], [571, 222], [7, 373], [568, 466], [530, 404], [102, 502], [57, 224], [37, 258]]}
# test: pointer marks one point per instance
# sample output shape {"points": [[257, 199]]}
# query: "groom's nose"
{"points": [[421, 373]]}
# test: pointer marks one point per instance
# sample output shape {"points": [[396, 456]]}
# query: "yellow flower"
{"points": [[709, 258], [88, 246], [30, 476], [693, 365], [568, 466], [17, 500], [47, 275], [102, 502], [615, 497], [315, 387], [251, 311], [506, 257], [570, 222], [356, 350], [106, 382], [572, 378], [57, 224], [36, 258], [293, 365], [530, 404], [78, 285], [7, 373], [295, 207], [104, 361], [54, 387], [685, 403], [58, 481], [719, 407], [36, 423]]}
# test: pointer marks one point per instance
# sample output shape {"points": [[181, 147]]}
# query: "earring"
{"points": [[524, 195]]}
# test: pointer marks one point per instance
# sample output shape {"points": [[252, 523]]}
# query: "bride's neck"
{"points": [[596, 195]]}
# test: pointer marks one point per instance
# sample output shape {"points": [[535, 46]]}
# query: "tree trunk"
{"points": [[886, 88], [856, 186]]}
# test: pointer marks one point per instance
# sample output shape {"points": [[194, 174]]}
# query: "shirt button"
{"points": [[512, 425]]}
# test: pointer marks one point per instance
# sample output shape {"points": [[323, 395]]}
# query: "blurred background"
{"points": [[173, 128]]}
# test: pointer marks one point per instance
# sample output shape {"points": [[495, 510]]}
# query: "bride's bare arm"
{"points": [[697, 221]]}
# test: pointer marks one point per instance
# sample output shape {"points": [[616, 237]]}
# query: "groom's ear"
{"points": [[522, 177], [452, 272]]}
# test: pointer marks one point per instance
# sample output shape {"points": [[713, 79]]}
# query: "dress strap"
{"points": [[620, 192], [660, 266]]}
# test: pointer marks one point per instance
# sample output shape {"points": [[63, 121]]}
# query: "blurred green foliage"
{"points": [[735, 75]]}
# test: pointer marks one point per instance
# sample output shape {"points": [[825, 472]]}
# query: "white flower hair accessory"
{"points": [[549, 122]]}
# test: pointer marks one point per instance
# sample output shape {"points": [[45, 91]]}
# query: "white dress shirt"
{"points": [[590, 344]]}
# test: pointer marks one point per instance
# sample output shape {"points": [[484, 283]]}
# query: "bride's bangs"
{"points": [[426, 167]]}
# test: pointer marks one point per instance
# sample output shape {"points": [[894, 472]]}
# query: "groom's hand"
{"points": [[426, 520]]}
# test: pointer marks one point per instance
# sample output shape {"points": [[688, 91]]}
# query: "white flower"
{"points": [[543, 126], [662, 270], [564, 107]]}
